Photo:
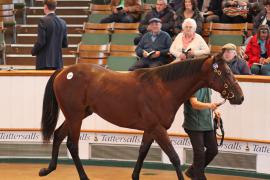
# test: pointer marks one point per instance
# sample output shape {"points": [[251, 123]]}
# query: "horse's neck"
{"points": [[182, 89]]}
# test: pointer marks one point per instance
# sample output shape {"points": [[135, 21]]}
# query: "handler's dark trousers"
{"points": [[202, 157]]}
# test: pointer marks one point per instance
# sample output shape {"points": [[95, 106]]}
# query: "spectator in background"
{"points": [[236, 64], [258, 52], [214, 11], [52, 37], [124, 11], [203, 5], [263, 17], [254, 9], [176, 4], [189, 44], [234, 12], [154, 47], [189, 10], [161, 11]]}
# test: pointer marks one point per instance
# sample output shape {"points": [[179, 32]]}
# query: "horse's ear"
{"points": [[218, 58]]}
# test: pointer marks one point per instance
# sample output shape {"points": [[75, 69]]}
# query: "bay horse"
{"points": [[145, 99]]}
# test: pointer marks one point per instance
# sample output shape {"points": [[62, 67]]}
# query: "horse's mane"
{"points": [[173, 71]]}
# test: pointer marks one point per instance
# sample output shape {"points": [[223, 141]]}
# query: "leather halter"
{"points": [[227, 90]]}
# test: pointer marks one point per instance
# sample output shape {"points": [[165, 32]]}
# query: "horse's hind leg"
{"points": [[59, 136], [144, 148], [160, 135], [72, 144]]}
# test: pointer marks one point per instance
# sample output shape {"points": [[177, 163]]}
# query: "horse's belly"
{"points": [[122, 119]]}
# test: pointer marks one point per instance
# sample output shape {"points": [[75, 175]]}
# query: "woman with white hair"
{"points": [[189, 44]]}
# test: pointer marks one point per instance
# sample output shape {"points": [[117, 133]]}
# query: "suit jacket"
{"points": [[52, 37], [134, 7]]}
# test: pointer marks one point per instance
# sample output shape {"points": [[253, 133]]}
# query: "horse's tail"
{"points": [[50, 109]]}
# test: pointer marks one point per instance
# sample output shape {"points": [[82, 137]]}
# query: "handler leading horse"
{"points": [[146, 99]]}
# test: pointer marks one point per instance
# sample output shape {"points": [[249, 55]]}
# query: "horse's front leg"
{"points": [[147, 140], [59, 136], [160, 135]]}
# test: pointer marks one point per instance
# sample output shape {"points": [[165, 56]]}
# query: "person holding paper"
{"points": [[154, 47], [124, 11], [188, 44]]}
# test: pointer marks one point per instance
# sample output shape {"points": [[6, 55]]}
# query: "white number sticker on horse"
{"points": [[70, 75]]}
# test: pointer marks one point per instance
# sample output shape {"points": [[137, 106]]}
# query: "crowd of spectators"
{"points": [[183, 21], [173, 29]]}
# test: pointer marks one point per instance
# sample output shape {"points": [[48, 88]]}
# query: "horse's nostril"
{"points": [[242, 98]]}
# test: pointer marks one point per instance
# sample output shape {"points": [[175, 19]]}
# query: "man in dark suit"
{"points": [[52, 37]]}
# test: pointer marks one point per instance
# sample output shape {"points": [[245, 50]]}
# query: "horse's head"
{"points": [[221, 79]]}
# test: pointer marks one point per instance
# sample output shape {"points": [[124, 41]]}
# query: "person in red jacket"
{"points": [[258, 52]]}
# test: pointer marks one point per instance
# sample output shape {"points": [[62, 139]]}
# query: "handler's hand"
{"points": [[213, 106], [144, 54], [217, 114]]}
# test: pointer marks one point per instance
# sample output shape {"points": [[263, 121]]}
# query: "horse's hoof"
{"points": [[44, 171], [86, 178], [135, 177]]}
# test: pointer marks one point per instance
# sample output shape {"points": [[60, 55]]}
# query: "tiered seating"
{"points": [[131, 28], [98, 12], [122, 51], [105, 28], [221, 34], [218, 49], [68, 10], [104, 44], [114, 39], [20, 7], [218, 34], [94, 54], [7, 16], [73, 11], [121, 63], [94, 48]]}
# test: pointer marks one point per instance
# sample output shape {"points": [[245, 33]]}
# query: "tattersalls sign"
{"points": [[134, 139]]}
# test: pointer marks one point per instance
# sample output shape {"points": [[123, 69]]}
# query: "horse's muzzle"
{"points": [[237, 100]]}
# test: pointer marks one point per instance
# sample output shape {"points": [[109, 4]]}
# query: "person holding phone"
{"points": [[124, 11]]}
